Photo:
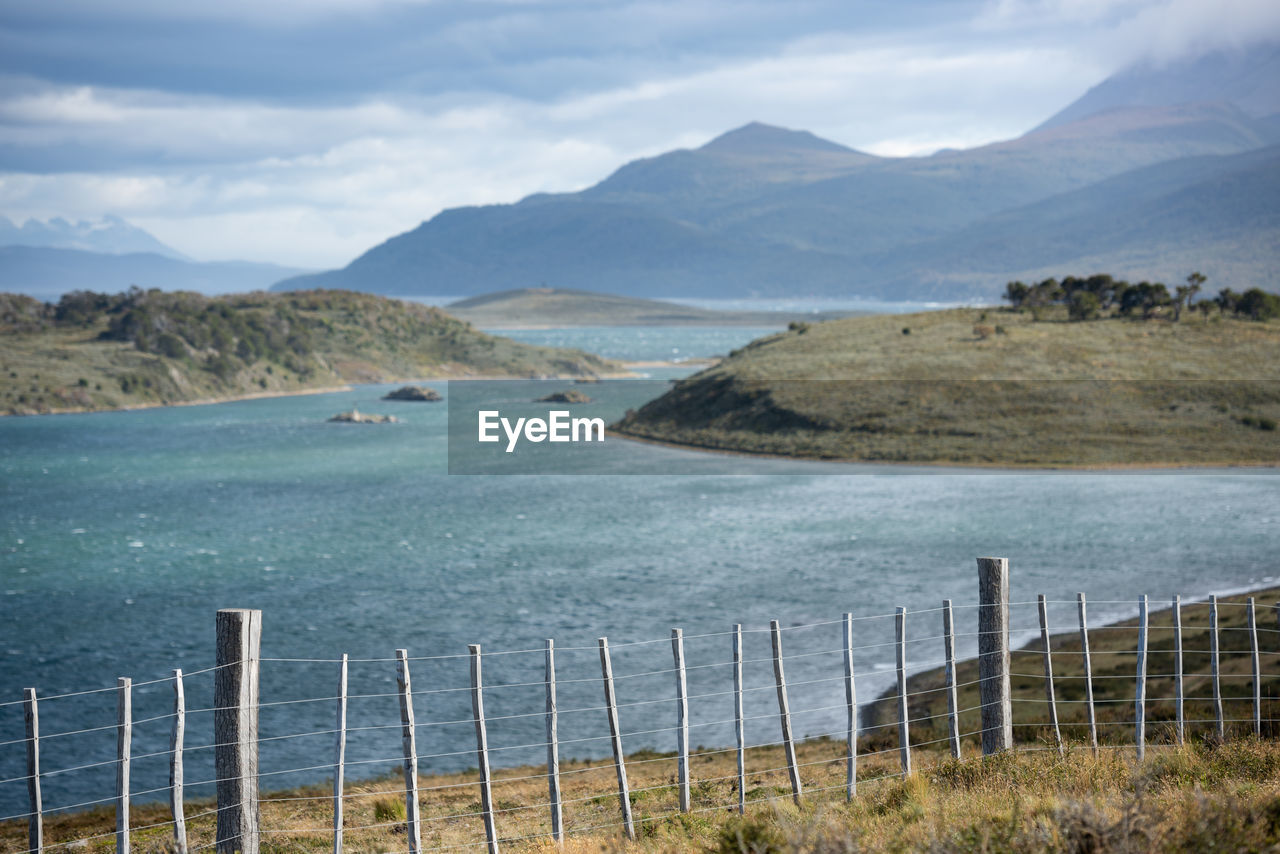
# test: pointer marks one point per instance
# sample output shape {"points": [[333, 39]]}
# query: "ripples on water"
{"points": [[124, 532]]}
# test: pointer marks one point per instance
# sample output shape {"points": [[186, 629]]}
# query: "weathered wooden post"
{"points": [[235, 729], [1257, 671], [1179, 712], [953, 705], [1140, 695], [553, 745], [176, 738], [851, 702], [35, 821], [784, 710], [1088, 672], [615, 736], [682, 717], [409, 741], [904, 731], [1221, 726], [738, 728], [340, 755], [482, 748], [124, 749], [1043, 607], [993, 654]]}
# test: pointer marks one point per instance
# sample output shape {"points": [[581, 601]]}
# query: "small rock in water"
{"points": [[414, 392], [355, 416], [568, 396]]}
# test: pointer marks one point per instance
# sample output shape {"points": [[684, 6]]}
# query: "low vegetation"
{"points": [[1209, 794], [1101, 296], [104, 351], [990, 387]]}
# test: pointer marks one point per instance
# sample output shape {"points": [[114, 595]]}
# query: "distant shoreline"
{"points": [[967, 467]]}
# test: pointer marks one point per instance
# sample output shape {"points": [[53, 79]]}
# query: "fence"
{"points": [[913, 715]]}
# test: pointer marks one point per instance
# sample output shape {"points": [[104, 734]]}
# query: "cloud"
{"points": [[314, 185], [1132, 31], [309, 132]]}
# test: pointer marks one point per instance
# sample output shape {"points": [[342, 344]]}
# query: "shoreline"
{"points": [[967, 467], [263, 395]]}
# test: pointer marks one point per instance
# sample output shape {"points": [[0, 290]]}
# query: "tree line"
{"points": [[1100, 295]]}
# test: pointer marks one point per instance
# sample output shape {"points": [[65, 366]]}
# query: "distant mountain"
{"points": [[767, 211], [111, 234], [1248, 79], [46, 274]]}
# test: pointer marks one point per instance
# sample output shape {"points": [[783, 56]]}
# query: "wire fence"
{"points": [[1154, 680]]}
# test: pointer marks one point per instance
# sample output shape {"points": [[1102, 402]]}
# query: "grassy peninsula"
{"points": [[1207, 795], [143, 348], [990, 387], [555, 307]]}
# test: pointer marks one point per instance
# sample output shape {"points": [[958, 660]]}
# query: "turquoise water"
{"points": [[122, 533], [673, 344]]}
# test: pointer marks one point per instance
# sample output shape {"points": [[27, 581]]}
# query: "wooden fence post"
{"points": [[993, 654], [1257, 671], [784, 710], [1140, 697], [904, 733], [1180, 725], [738, 728], [851, 702], [340, 755], [409, 740], [35, 821], [482, 748], [953, 704], [1088, 672], [176, 739], [124, 747], [682, 717], [235, 729], [615, 734], [1043, 607], [553, 745], [1221, 727]]}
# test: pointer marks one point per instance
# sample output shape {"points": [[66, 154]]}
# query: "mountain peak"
{"points": [[760, 138]]}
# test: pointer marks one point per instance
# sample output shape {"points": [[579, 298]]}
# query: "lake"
{"points": [[124, 532]]}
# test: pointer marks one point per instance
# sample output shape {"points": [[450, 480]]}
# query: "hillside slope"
{"points": [[96, 351], [989, 388]]}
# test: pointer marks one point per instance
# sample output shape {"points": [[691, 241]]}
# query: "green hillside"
{"points": [[989, 387], [100, 351]]}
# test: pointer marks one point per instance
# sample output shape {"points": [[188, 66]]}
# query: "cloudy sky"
{"points": [[305, 131]]}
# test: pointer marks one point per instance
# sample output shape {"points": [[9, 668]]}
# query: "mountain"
{"points": [[111, 234], [47, 273], [1247, 79], [763, 210]]}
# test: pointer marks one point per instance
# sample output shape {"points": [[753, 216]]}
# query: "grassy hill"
{"points": [[538, 307], [988, 387], [99, 351]]}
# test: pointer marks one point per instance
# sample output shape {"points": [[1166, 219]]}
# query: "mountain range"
{"points": [[47, 259], [1155, 172]]}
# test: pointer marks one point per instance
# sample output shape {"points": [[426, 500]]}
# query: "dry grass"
{"points": [[1180, 799], [988, 387]]}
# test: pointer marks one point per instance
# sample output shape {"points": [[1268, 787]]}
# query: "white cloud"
{"points": [[220, 177]]}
